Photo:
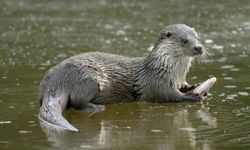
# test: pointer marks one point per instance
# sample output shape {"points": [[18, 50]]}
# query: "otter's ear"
{"points": [[168, 34], [165, 35]]}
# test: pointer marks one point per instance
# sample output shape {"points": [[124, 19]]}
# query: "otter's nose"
{"points": [[198, 49]]}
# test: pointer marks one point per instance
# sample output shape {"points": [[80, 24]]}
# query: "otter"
{"points": [[90, 80]]}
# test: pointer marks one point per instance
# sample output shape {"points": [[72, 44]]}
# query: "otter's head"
{"points": [[178, 40]]}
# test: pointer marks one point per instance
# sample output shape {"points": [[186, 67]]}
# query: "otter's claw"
{"points": [[191, 98]]}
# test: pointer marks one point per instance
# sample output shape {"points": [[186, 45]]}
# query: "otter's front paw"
{"points": [[192, 87], [188, 88]]}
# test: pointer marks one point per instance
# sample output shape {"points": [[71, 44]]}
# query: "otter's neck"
{"points": [[161, 70]]}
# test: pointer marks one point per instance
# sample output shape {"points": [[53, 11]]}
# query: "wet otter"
{"points": [[89, 79]]}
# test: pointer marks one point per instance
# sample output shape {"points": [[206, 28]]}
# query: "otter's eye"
{"points": [[184, 41]]}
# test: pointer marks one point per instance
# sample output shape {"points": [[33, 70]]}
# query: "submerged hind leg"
{"points": [[82, 95], [94, 108], [83, 92]]}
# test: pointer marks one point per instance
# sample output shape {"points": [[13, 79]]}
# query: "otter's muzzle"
{"points": [[197, 50]]}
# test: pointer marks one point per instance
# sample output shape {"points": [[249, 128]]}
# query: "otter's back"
{"points": [[91, 77], [115, 76]]}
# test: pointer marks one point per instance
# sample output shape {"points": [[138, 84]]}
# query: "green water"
{"points": [[35, 35]]}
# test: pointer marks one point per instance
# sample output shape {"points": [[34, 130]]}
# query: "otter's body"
{"points": [[97, 78], [89, 79]]}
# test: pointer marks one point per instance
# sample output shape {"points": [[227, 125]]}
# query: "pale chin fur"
{"points": [[174, 61]]}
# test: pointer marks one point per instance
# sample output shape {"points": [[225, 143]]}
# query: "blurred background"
{"points": [[36, 34]]}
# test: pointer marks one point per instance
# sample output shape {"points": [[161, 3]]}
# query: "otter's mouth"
{"points": [[197, 53]]}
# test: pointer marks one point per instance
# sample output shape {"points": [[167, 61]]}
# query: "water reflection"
{"points": [[168, 127]]}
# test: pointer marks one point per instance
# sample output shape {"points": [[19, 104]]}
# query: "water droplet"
{"points": [[31, 121], [156, 130], [85, 146], [243, 55], [190, 129], [41, 68], [120, 32], [73, 44], [32, 125], [224, 74], [230, 86], [234, 32], [232, 96], [244, 93], [151, 48], [107, 41], [233, 45], [228, 78], [235, 69], [194, 77], [11, 107], [31, 103], [24, 132], [47, 63], [222, 59], [4, 142], [60, 46], [209, 41], [227, 66], [5, 122], [107, 26], [247, 88], [222, 94], [125, 38], [218, 47]]}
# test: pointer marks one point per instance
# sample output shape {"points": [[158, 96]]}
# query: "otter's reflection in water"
{"points": [[139, 126]]}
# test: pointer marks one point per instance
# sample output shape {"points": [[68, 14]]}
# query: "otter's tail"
{"points": [[51, 114]]}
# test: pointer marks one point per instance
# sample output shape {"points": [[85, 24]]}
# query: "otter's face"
{"points": [[180, 39]]}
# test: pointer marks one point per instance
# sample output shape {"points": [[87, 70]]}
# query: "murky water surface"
{"points": [[35, 35]]}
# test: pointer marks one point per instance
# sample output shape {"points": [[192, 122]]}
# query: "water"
{"points": [[35, 35]]}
